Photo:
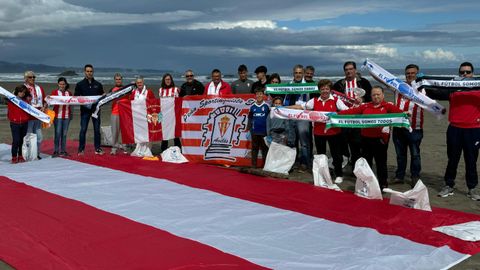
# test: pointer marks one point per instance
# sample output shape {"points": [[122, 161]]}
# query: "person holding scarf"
{"points": [[61, 122], [141, 93], [169, 90], [18, 122], [38, 102], [374, 141]]}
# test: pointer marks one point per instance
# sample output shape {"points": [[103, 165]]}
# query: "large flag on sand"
{"points": [[214, 129], [149, 120], [92, 212]]}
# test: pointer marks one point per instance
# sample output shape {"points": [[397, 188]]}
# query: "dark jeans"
{"points": [[176, 142], [352, 139], [334, 142], [18, 132], [468, 141], [403, 139], [84, 119], [374, 148], [302, 133], [61, 129], [258, 143]]}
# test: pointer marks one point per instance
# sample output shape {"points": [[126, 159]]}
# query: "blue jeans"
{"points": [[61, 129], [403, 139], [35, 127], [466, 140], [302, 133], [84, 119]]}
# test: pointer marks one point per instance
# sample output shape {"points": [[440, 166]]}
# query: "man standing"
{"points": [[243, 85], [347, 85], [217, 87], [89, 87], [309, 73], [302, 129], [262, 77], [403, 139], [38, 101], [115, 118], [463, 133], [191, 85]]}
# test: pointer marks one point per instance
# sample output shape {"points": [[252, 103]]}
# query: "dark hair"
{"points": [[324, 82], [87, 65], [310, 68], [379, 87], [261, 69], [242, 68], [409, 66], [21, 88], [465, 64], [63, 79], [163, 80], [259, 89], [216, 70], [277, 98], [275, 75], [350, 63]]}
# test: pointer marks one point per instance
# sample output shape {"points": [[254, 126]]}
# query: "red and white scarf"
{"points": [[36, 92], [349, 86], [63, 110], [169, 92]]}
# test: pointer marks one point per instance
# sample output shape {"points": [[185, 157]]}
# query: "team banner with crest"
{"points": [[214, 129], [149, 120]]}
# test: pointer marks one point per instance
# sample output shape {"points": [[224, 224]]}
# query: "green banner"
{"points": [[291, 88], [369, 120]]}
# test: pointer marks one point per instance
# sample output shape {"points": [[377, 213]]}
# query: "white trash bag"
{"points": [[366, 185], [468, 231], [321, 173], [416, 198], [280, 158], [173, 154], [29, 147], [106, 132], [142, 150]]}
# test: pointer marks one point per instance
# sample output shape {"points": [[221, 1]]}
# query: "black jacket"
{"points": [[86, 88], [196, 88]]}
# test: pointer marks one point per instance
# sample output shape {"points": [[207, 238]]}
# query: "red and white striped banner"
{"points": [[214, 129], [150, 120]]}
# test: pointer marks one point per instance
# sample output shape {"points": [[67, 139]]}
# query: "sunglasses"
{"points": [[189, 76], [465, 72], [31, 77]]}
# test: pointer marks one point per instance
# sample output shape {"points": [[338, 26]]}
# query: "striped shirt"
{"points": [[169, 92], [416, 113], [349, 86]]}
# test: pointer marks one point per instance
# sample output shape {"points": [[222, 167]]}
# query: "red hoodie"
{"points": [[465, 109], [17, 115]]}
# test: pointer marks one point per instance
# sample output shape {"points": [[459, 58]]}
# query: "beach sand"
{"points": [[433, 153]]}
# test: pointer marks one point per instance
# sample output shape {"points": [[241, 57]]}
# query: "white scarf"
{"points": [[212, 90], [141, 95]]}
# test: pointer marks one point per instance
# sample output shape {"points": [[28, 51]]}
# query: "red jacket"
{"points": [[225, 88], [465, 109], [17, 115], [369, 108], [66, 111]]}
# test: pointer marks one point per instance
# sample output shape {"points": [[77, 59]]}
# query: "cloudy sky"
{"points": [[203, 35]]}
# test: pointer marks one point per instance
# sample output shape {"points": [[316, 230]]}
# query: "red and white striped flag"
{"points": [[150, 120]]}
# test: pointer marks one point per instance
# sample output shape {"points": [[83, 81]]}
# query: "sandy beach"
{"points": [[433, 153]]}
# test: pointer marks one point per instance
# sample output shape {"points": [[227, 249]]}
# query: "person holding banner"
{"points": [[243, 85], [375, 140], [257, 125], [61, 122], [217, 87], [168, 90], [403, 139], [327, 103], [352, 80], [141, 93], [115, 117], [18, 122], [89, 87], [38, 102], [191, 85], [262, 77], [463, 133]]}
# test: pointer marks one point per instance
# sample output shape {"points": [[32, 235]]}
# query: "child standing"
{"points": [[62, 118], [257, 124], [277, 129], [18, 122]]}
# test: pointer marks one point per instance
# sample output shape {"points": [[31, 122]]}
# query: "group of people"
{"points": [[346, 144]]}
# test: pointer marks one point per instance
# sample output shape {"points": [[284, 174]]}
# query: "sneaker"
{"points": [[474, 194], [446, 191], [99, 151], [81, 153], [113, 151], [20, 159], [14, 160], [55, 154], [338, 180]]}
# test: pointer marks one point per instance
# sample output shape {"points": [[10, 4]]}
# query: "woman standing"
{"points": [[167, 92], [18, 122], [61, 122], [139, 94]]}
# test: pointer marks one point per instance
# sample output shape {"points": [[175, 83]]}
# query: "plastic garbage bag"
{"points": [[29, 147], [106, 132], [468, 231], [321, 173], [280, 158], [416, 198], [366, 185], [142, 150], [173, 154]]}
